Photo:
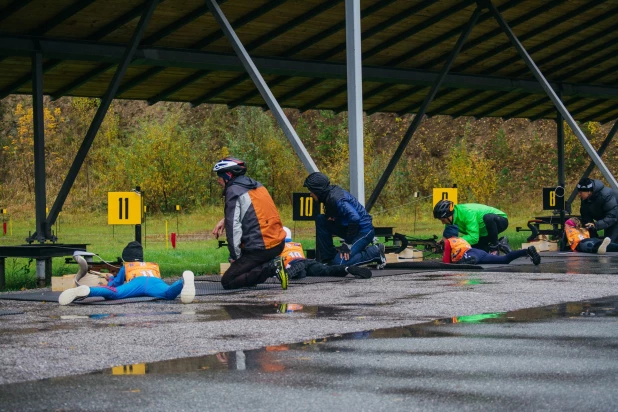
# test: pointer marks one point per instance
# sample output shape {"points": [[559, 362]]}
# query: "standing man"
{"points": [[599, 208], [344, 217], [479, 225], [254, 231]]}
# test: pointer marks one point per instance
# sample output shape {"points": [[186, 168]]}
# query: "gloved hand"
{"points": [[590, 226], [344, 251]]}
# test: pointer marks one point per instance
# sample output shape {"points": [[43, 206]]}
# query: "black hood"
{"points": [[318, 184], [243, 181]]}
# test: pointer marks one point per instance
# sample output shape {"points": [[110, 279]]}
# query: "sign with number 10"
{"points": [[303, 207]]}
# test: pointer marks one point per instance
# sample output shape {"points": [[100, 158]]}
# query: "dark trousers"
{"points": [[251, 269], [359, 252], [611, 232], [484, 257], [495, 225], [592, 246], [300, 268]]}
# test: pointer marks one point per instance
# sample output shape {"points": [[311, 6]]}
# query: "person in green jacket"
{"points": [[478, 224]]}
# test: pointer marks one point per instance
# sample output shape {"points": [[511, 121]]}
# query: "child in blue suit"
{"points": [[135, 279]]}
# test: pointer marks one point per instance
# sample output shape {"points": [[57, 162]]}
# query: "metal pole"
{"points": [[41, 231], [261, 85], [561, 177], [355, 99], [551, 93], [590, 168], [106, 101], [421, 111]]}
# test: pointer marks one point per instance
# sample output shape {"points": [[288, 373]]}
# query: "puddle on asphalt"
{"points": [[227, 312], [283, 357], [269, 311]]}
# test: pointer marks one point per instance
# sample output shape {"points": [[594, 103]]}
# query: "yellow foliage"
{"points": [[473, 174]]}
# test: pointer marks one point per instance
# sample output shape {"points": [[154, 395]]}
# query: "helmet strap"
{"points": [[226, 176]]}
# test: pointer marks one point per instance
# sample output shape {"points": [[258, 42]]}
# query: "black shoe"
{"points": [[493, 250], [503, 245], [534, 255], [359, 272]]}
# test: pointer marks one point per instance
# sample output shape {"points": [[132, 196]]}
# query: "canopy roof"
{"points": [[299, 48]]}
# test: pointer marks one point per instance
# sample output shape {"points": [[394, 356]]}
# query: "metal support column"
{"points": [[261, 85], [106, 101], [561, 176], [418, 117], [42, 232], [355, 99], [550, 92], [590, 168]]}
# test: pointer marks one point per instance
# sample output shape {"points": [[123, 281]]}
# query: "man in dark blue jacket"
{"points": [[344, 217], [599, 208]]}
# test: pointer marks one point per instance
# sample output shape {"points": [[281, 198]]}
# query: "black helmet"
{"points": [[232, 165], [443, 209]]}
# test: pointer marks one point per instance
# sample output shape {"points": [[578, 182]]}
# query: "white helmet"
{"points": [[235, 166]]}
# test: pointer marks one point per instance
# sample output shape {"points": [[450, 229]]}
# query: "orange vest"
{"points": [[574, 235], [291, 251], [459, 246], [134, 270]]}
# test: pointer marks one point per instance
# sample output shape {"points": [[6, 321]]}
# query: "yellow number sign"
{"points": [[124, 208], [444, 193]]}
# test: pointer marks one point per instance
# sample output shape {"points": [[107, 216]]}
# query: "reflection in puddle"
{"points": [[267, 311], [285, 357], [457, 279]]}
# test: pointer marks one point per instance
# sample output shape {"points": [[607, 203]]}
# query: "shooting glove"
{"points": [[352, 231], [344, 248]]}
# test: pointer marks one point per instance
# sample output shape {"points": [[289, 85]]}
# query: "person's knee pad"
{"points": [[587, 245]]}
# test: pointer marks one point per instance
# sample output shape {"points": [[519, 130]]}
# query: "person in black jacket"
{"points": [[599, 208]]}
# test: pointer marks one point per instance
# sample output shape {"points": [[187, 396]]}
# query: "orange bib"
{"points": [[459, 246], [292, 251], [574, 235], [134, 270]]}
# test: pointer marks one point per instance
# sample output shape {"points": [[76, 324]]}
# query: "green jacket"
{"points": [[469, 218]]}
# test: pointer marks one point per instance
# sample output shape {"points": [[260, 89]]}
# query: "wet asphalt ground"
{"points": [[418, 341]]}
